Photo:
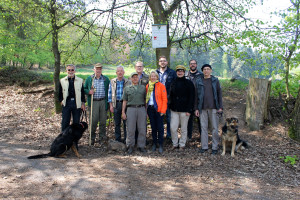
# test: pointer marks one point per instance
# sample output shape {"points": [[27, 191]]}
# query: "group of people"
{"points": [[180, 95]]}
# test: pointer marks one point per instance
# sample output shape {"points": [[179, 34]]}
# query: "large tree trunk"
{"points": [[56, 55], [160, 16], [257, 102], [294, 130]]}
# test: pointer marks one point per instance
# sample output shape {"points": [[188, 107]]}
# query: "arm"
{"points": [[219, 92], [111, 108], [82, 98], [60, 94], [123, 110]]}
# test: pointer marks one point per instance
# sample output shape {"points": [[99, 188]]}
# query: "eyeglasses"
{"points": [[162, 61], [193, 63], [139, 66], [71, 70]]}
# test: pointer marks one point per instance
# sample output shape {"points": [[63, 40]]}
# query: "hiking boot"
{"points": [[154, 147], [130, 150], [160, 149], [142, 149], [202, 150], [214, 152]]}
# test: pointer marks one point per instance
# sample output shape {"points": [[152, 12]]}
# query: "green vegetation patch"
{"points": [[21, 76]]}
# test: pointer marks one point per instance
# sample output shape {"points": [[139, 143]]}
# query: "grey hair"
{"points": [[120, 66], [71, 65]]}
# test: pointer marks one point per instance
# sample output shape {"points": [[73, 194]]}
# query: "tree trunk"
{"points": [[257, 102], [160, 17], [56, 53], [287, 72], [294, 130]]}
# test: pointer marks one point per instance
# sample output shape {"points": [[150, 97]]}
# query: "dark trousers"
{"points": [[157, 125], [191, 125], [118, 119], [67, 110]]}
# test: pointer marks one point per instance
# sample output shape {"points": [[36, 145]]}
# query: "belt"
{"points": [[119, 100], [70, 99], [135, 106], [98, 99]]}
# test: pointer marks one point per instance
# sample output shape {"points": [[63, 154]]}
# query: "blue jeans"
{"points": [[157, 125], [118, 119], [68, 109]]}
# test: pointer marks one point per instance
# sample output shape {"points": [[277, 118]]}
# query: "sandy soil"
{"points": [[28, 126]]}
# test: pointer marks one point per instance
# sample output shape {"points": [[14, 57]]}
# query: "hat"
{"points": [[205, 65], [133, 73], [178, 67], [98, 65]]}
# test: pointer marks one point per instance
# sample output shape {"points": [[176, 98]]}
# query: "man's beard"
{"points": [[193, 70]]}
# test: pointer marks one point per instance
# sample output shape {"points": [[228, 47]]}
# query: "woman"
{"points": [[181, 104], [156, 100]]}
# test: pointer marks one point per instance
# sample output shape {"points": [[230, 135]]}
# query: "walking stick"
{"points": [[91, 120]]}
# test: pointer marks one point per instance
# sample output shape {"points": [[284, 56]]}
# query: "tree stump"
{"points": [[257, 102]]}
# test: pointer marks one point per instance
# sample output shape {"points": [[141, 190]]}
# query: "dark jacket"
{"points": [[171, 75], [182, 94], [200, 93]]}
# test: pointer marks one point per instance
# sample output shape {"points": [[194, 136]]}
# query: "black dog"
{"points": [[230, 135], [63, 142]]}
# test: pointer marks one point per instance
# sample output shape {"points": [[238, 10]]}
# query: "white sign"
{"points": [[159, 36]]}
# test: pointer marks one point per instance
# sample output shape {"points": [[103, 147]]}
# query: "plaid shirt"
{"points": [[119, 91], [99, 86]]}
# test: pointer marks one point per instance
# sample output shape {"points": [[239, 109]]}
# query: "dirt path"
{"points": [[28, 127]]}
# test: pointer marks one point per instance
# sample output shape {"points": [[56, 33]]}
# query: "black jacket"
{"points": [[182, 94]]}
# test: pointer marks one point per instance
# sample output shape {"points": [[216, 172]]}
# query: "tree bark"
{"points": [[56, 54], [294, 130], [257, 102]]}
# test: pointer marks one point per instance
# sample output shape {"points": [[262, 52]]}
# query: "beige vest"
{"points": [[113, 84], [77, 86]]}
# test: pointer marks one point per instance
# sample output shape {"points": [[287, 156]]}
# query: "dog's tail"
{"points": [[245, 144], [39, 156]]}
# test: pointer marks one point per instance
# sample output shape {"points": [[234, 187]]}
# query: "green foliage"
{"points": [[226, 84], [290, 159], [22, 77], [279, 87]]}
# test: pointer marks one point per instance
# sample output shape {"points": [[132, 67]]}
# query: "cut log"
{"points": [[257, 102]]}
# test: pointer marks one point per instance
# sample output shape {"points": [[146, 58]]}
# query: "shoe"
{"points": [[181, 148], [214, 152], [160, 149], [130, 150], [202, 150], [142, 149], [154, 147], [173, 148]]}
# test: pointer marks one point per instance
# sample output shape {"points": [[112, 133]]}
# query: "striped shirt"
{"points": [[99, 86], [119, 91]]}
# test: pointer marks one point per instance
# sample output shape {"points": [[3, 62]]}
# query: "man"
{"points": [[181, 103], [209, 103], [192, 75], [71, 96], [96, 86], [134, 98], [115, 100], [143, 78], [166, 76]]}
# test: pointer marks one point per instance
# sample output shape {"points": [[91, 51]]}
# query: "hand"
{"points": [[197, 113], [111, 108], [187, 114], [124, 116], [91, 91], [83, 107], [161, 114]]}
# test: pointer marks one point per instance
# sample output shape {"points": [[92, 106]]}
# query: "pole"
{"points": [[91, 119]]}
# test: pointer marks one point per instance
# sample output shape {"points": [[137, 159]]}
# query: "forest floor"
{"points": [[28, 126]]}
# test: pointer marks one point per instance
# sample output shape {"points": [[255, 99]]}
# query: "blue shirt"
{"points": [[119, 91], [162, 76], [99, 87]]}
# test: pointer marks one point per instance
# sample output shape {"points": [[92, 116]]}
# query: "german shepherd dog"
{"points": [[63, 142], [230, 135]]}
